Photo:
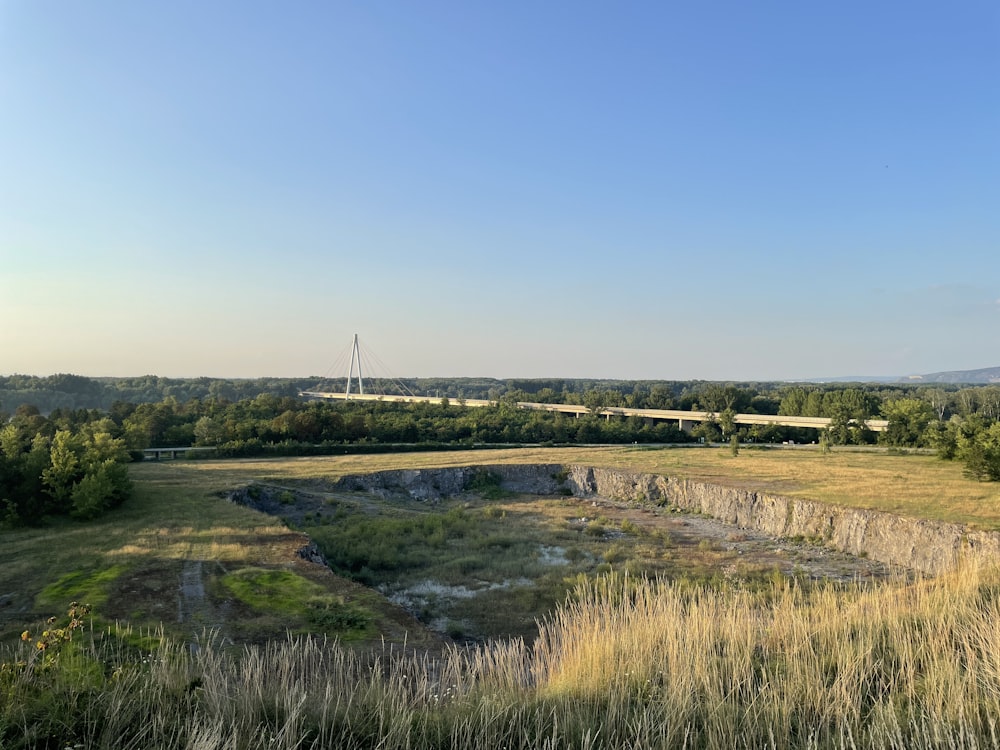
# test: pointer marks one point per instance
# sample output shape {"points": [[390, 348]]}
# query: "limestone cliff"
{"points": [[927, 546]]}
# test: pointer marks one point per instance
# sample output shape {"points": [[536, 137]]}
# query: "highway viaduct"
{"points": [[685, 419]]}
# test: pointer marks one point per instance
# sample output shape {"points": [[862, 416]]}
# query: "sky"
{"points": [[719, 190]]}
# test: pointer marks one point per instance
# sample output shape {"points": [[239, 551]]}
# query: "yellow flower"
{"points": [[25, 636]]}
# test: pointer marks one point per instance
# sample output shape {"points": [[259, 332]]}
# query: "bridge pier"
{"points": [[685, 425]]}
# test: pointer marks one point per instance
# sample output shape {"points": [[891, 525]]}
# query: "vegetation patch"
{"points": [[487, 484], [285, 592], [83, 585]]}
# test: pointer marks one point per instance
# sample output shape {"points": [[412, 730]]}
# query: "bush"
{"points": [[487, 484], [982, 464]]}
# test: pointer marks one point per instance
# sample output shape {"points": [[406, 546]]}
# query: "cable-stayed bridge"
{"points": [[685, 419]]}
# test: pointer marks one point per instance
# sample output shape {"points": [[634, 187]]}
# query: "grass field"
{"points": [[667, 664], [131, 564], [921, 486], [139, 552]]}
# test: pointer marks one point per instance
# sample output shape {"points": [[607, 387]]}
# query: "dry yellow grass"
{"points": [[884, 664]]}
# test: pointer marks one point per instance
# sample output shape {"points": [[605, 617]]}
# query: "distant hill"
{"points": [[982, 375], [854, 379]]}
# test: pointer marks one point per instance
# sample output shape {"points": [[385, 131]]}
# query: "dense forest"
{"points": [[64, 439], [66, 391]]}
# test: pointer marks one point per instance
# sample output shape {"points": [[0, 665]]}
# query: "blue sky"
{"points": [[716, 190]]}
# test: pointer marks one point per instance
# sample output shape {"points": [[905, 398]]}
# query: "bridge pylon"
{"points": [[355, 355]]}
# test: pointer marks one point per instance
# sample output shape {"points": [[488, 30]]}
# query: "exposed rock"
{"points": [[311, 553], [434, 484]]}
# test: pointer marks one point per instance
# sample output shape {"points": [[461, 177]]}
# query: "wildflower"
{"points": [[25, 636]]}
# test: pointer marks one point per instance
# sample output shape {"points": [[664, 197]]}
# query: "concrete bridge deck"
{"points": [[684, 418]]}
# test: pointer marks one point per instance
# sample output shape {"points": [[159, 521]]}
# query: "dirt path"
{"points": [[191, 599]]}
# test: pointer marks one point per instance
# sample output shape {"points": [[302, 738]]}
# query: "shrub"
{"points": [[487, 484], [614, 554]]}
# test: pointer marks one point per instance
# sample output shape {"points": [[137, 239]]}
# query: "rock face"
{"points": [[433, 484], [927, 546]]}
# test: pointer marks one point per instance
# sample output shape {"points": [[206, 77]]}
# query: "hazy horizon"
{"points": [[383, 376], [653, 191]]}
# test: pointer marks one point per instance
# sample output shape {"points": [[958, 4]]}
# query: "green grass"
{"points": [[286, 593], [89, 586], [130, 562], [275, 590]]}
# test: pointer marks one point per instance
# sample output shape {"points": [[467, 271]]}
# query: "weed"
{"points": [[614, 554], [332, 614]]}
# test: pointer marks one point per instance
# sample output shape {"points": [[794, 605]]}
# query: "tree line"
{"points": [[71, 460]]}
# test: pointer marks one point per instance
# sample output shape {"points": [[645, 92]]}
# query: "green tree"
{"points": [[908, 419], [594, 400], [939, 399], [980, 452], [825, 442], [727, 422], [64, 469], [208, 431], [839, 431], [708, 431], [94, 493]]}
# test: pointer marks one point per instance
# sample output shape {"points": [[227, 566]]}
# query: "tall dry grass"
{"points": [[630, 664], [905, 665]]}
